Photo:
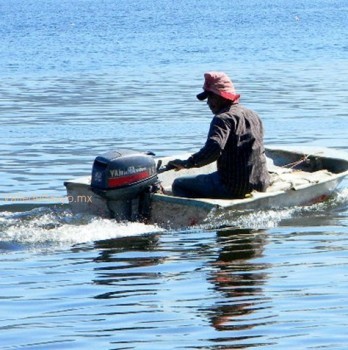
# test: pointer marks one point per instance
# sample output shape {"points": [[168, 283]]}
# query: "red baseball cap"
{"points": [[220, 84]]}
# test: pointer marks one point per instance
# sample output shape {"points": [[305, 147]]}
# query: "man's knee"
{"points": [[181, 187], [176, 186]]}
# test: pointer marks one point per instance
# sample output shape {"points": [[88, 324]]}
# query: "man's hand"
{"points": [[177, 164]]}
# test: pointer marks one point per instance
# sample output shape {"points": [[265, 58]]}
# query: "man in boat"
{"points": [[235, 141]]}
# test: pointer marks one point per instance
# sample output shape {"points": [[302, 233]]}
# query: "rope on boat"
{"points": [[303, 159]]}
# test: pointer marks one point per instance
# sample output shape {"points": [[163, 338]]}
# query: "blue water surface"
{"points": [[81, 77], [46, 36]]}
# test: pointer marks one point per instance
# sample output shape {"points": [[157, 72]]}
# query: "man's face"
{"points": [[216, 103]]}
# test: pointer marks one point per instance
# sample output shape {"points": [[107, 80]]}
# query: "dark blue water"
{"points": [[80, 77], [86, 35]]}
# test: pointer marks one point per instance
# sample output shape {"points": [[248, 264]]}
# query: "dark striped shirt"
{"points": [[235, 141]]}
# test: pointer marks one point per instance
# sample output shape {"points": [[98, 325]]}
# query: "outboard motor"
{"points": [[124, 178]]}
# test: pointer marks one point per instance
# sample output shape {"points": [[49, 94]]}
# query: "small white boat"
{"points": [[300, 176]]}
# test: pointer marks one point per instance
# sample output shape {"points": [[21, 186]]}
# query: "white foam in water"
{"points": [[253, 220], [48, 228], [264, 219], [42, 226], [96, 230], [342, 196]]}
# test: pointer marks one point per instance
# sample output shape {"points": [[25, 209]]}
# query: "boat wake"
{"points": [[266, 219], [53, 227], [341, 197], [44, 228], [260, 219]]}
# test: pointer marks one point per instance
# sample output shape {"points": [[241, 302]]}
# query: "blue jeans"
{"points": [[200, 186]]}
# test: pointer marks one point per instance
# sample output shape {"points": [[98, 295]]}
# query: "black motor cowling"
{"points": [[123, 174]]}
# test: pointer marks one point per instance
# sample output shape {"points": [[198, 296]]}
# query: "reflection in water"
{"points": [[121, 268], [158, 283], [239, 279], [150, 286], [110, 247]]}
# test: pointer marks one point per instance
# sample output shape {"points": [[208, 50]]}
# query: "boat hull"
{"points": [[311, 180], [175, 212]]}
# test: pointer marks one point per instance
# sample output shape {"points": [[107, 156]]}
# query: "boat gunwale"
{"points": [[230, 203], [320, 152]]}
